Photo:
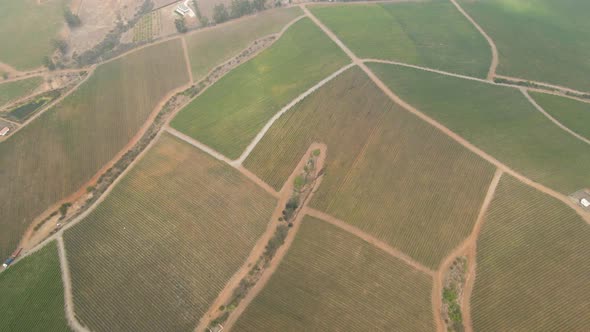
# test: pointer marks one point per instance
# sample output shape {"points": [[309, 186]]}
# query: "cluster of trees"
{"points": [[72, 19], [180, 25], [238, 8]]}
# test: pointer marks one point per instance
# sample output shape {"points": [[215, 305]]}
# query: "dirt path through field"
{"points": [[283, 110], [187, 59], [225, 296], [495, 58], [548, 85], [462, 249], [67, 284], [396, 99], [369, 239], [552, 119]]}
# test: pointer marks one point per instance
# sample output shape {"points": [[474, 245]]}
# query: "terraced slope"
{"points": [[532, 264], [228, 115], [429, 33], [387, 172], [552, 43], [210, 47], [498, 120], [333, 281], [55, 155], [170, 235], [32, 294]]}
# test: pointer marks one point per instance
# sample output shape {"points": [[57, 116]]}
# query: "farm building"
{"points": [[183, 9], [585, 202], [4, 131]]}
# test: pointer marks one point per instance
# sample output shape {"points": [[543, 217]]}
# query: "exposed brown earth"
{"points": [[67, 284]]}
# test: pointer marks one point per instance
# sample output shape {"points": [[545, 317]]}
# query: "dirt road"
{"points": [[67, 282], [461, 249], [285, 194], [495, 58]]}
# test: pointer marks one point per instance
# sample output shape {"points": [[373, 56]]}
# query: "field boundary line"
{"points": [[432, 70], [459, 139], [549, 85], [67, 285], [369, 239], [495, 57], [552, 119], [47, 107], [187, 59], [463, 249], [282, 250], [257, 251], [286, 108]]}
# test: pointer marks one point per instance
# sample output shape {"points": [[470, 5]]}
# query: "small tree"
{"points": [[180, 25], [48, 63], [258, 5], [61, 45], [240, 8], [72, 19], [220, 13]]}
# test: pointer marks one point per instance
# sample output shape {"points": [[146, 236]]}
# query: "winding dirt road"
{"points": [[67, 282]]}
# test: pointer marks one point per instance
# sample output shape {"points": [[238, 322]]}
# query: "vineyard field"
{"points": [[27, 29], [230, 113], [552, 42], [32, 294], [333, 281], [387, 173], [532, 264], [57, 153], [571, 113], [14, 90], [170, 234], [210, 47], [430, 33], [498, 120]]}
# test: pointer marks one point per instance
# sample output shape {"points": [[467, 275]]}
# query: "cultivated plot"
{"points": [[387, 172], [331, 280], [230, 113], [170, 235], [14, 90], [498, 120], [552, 43], [32, 294], [27, 28], [571, 113], [432, 34], [532, 264], [212, 46], [56, 154]]}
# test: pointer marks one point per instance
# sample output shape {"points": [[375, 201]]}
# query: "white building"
{"points": [[585, 202], [4, 131]]}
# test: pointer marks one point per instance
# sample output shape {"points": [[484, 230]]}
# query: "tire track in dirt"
{"points": [[396, 99], [369, 239], [552, 119], [495, 58], [67, 285], [463, 249], [285, 194], [187, 59], [548, 85]]}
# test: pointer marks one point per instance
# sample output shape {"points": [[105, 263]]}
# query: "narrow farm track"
{"points": [[44, 73], [283, 110], [395, 98], [369, 239], [285, 194], [471, 78], [67, 282], [187, 59], [552, 119], [559, 87], [463, 249], [495, 57]]}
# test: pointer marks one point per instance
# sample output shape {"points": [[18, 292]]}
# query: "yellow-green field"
{"points": [[427, 33], [387, 172], [155, 254], [57, 153], [11, 91], [32, 294], [532, 264], [210, 47], [333, 281], [230, 113], [27, 28]]}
